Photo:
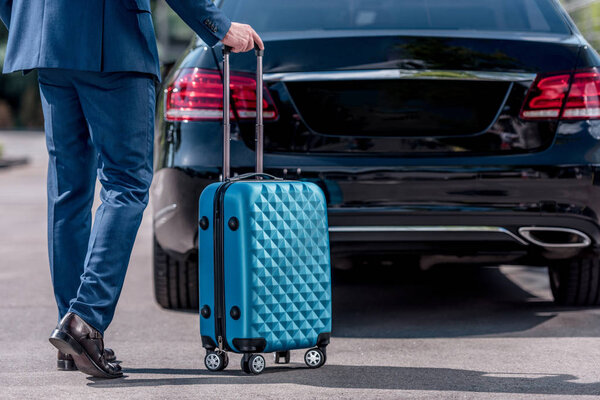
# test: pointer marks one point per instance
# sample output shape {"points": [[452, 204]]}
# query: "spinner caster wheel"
{"points": [[314, 358], [244, 363], [282, 357], [256, 364], [253, 364], [216, 361]]}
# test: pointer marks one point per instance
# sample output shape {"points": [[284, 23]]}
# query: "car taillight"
{"points": [[197, 94], [583, 101], [566, 96]]}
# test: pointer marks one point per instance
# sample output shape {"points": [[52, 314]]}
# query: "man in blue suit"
{"points": [[98, 65]]}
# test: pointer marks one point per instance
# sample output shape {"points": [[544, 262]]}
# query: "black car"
{"points": [[442, 131]]}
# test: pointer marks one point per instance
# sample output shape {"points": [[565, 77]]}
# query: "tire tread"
{"points": [[578, 281], [175, 281]]}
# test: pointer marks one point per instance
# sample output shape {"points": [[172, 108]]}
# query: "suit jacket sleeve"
{"points": [[206, 19], [5, 10]]}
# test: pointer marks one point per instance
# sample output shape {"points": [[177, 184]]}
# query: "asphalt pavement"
{"points": [[446, 333]]}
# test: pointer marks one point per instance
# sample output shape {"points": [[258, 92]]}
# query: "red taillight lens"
{"points": [[584, 97], [546, 97], [565, 96], [197, 95]]}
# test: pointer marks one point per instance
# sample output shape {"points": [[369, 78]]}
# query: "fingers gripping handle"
{"points": [[259, 138]]}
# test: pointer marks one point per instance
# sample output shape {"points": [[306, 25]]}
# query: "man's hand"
{"points": [[241, 38]]}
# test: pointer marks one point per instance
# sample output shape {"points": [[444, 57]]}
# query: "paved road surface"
{"points": [[449, 333]]}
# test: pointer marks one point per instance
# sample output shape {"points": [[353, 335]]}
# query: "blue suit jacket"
{"points": [[96, 35]]}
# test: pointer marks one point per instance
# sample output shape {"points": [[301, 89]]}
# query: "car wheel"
{"points": [[175, 281], [576, 282]]}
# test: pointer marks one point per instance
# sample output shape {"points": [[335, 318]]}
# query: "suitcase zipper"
{"points": [[219, 268]]}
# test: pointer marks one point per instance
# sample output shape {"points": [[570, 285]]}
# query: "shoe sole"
{"points": [[84, 363]]}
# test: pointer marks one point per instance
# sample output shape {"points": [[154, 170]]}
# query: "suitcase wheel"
{"points": [[216, 361], [253, 363], [314, 358], [282, 357]]}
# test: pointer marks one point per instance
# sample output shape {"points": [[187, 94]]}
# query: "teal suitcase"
{"points": [[265, 275]]}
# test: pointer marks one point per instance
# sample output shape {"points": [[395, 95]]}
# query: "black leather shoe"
{"points": [[76, 337], [64, 361]]}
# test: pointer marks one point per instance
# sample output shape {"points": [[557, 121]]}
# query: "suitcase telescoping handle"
{"points": [[227, 110]]}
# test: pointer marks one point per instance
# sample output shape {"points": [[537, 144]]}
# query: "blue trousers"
{"points": [[98, 125]]}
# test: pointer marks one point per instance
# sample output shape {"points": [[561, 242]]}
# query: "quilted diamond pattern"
{"points": [[291, 293]]}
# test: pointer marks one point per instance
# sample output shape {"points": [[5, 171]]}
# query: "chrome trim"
{"points": [[525, 231], [379, 74], [449, 228]]}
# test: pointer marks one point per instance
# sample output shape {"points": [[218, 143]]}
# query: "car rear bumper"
{"points": [[454, 212], [525, 235]]}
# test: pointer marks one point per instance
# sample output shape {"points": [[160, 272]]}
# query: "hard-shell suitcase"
{"points": [[265, 275]]}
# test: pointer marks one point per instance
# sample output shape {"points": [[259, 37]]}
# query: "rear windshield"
{"points": [[541, 16]]}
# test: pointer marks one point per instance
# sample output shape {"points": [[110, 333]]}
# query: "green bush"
{"points": [[586, 15]]}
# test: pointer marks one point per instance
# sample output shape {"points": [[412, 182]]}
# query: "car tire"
{"points": [[175, 281], [576, 282]]}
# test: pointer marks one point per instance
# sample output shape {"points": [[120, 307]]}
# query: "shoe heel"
{"points": [[65, 343], [66, 365]]}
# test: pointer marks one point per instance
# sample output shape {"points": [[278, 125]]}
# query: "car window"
{"points": [[540, 16]]}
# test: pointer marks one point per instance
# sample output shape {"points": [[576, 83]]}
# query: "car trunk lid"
{"points": [[399, 92]]}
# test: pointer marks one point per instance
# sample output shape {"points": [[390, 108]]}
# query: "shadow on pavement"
{"points": [[12, 162], [387, 303], [371, 377], [445, 302]]}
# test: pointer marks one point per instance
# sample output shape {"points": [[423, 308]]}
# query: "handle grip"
{"points": [[257, 50]]}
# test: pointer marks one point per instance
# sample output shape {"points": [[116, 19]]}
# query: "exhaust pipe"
{"points": [[553, 237]]}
